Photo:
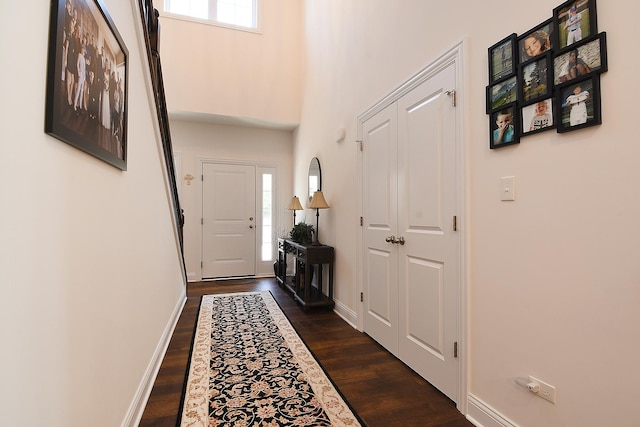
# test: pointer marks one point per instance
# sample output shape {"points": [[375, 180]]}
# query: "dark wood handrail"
{"points": [[152, 38]]}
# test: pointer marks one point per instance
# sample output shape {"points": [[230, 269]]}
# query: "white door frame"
{"points": [[261, 268], [453, 56]]}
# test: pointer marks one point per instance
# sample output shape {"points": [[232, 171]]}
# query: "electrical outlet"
{"points": [[546, 391]]}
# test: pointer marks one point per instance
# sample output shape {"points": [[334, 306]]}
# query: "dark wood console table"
{"points": [[307, 260]]}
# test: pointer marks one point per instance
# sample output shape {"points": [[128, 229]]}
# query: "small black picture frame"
{"points": [[580, 60], [574, 21], [535, 79], [506, 118], [503, 58], [578, 104], [536, 41], [502, 93], [537, 117], [87, 81]]}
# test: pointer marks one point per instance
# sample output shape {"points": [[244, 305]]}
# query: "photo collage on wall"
{"points": [[547, 78]]}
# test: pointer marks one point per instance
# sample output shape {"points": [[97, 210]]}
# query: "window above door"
{"points": [[235, 14]]}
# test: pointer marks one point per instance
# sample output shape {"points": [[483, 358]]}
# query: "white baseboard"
{"points": [[482, 415], [136, 409], [348, 315]]}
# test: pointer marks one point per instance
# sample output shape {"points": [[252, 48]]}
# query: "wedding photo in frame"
{"points": [[86, 98], [502, 58], [536, 41], [504, 127], [537, 117], [574, 21], [502, 93], [580, 60], [535, 79], [578, 104]]}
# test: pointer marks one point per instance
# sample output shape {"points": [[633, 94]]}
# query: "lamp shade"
{"points": [[318, 201], [295, 204]]}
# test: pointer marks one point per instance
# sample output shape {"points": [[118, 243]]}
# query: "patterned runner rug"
{"points": [[250, 368]]}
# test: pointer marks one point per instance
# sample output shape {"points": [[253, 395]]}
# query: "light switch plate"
{"points": [[508, 188]]}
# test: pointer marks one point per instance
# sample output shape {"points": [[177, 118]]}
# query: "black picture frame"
{"points": [[590, 56], [87, 108], [537, 117], [514, 124], [535, 78], [503, 58], [502, 93], [567, 34], [537, 41], [578, 104]]}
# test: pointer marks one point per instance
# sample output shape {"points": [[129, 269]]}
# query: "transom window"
{"points": [[241, 14]]}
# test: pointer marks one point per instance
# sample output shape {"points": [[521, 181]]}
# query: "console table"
{"points": [[307, 260]]}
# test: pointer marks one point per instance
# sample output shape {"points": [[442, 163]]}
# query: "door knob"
{"points": [[390, 239], [251, 226], [250, 218], [400, 240]]}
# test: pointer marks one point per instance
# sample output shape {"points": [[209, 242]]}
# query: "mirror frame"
{"points": [[313, 166]]}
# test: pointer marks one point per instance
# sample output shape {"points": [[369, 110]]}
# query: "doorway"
{"points": [[237, 219], [412, 202]]}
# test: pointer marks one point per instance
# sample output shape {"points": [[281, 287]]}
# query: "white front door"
{"points": [[228, 220], [410, 251]]}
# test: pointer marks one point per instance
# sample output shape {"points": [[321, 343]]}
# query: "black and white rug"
{"points": [[250, 368]]}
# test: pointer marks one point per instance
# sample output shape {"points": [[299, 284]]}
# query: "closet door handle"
{"points": [[400, 240], [390, 239]]}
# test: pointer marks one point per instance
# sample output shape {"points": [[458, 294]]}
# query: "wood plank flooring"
{"points": [[381, 389]]}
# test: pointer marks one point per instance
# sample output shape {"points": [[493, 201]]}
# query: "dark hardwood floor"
{"points": [[380, 388]]}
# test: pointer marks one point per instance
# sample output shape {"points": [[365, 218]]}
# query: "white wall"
{"points": [[553, 277], [215, 70], [89, 268], [197, 141]]}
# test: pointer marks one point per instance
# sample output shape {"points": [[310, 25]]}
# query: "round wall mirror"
{"points": [[315, 177]]}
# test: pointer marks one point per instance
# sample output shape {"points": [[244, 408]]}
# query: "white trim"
{"points": [[139, 402], [456, 56], [482, 415], [348, 315]]}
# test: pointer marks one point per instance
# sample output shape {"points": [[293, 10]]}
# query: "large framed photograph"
{"points": [[574, 21], [590, 56], [535, 78], [502, 58], [536, 41], [86, 99], [504, 127], [502, 93], [537, 117], [578, 104]]}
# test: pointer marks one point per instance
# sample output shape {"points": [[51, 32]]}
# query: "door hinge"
{"points": [[359, 145], [201, 221], [452, 94], [455, 223], [455, 349], [361, 221], [361, 296], [201, 264], [202, 178]]}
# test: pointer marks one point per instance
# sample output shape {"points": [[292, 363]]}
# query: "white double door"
{"points": [[410, 248], [228, 220]]}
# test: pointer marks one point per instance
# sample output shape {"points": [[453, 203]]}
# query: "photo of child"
{"points": [[504, 131], [537, 116], [535, 43]]}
